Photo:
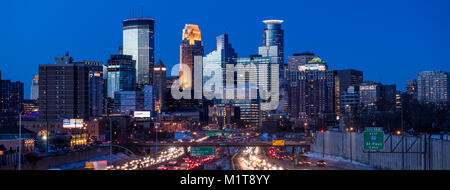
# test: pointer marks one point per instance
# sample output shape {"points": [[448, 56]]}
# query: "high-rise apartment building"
{"points": [[433, 87]]}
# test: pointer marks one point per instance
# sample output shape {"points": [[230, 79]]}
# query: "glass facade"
{"points": [[121, 74], [139, 42], [273, 44]]}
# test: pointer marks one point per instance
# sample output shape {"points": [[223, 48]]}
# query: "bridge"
{"points": [[236, 144]]}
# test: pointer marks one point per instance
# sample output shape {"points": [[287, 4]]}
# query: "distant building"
{"points": [[126, 102], [298, 59], [215, 62], [121, 74], [433, 87], [139, 42], [191, 46], [388, 101], [159, 86], [312, 94], [66, 89], [273, 44], [344, 80], [35, 88], [370, 95], [411, 88], [11, 96]]}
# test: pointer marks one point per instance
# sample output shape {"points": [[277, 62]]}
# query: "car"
{"points": [[304, 163], [162, 167], [321, 163], [173, 163]]}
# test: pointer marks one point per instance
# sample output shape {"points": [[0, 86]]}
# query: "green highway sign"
{"points": [[203, 151], [373, 138], [210, 133]]}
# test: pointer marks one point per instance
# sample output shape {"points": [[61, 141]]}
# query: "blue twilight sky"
{"points": [[390, 40]]}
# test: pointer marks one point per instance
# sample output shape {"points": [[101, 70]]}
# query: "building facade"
{"points": [[433, 87], [191, 46], [121, 74], [139, 42], [35, 88]]}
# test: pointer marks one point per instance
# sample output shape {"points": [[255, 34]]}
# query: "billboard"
{"points": [[142, 114], [73, 123]]}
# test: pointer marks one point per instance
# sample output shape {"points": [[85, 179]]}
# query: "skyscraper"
{"points": [[191, 46], [273, 44], [312, 95], [411, 88], [294, 63], [218, 59], [433, 87], [139, 42], [121, 74], [159, 84], [35, 88], [344, 80]]}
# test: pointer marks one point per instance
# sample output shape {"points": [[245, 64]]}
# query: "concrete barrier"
{"points": [[400, 152]]}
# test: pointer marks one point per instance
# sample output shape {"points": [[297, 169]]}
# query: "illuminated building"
{"points": [[370, 95], [125, 102], [219, 58], [344, 80], [191, 46], [139, 42], [312, 89], [35, 88], [159, 84], [433, 87], [121, 74], [273, 44], [411, 88], [11, 96], [69, 89]]}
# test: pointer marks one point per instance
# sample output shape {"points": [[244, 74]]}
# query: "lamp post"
{"points": [[20, 139]]}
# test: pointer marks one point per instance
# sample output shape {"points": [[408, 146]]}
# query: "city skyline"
{"points": [[400, 33]]}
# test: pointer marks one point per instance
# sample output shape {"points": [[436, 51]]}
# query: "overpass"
{"points": [[225, 144]]}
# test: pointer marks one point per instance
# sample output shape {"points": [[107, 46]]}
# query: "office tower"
{"points": [[191, 46], [217, 60], [35, 88], [148, 97], [121, 74], [273, 44], [370, 95], [159, 84], [64, 90], [411, 88], [388, 98], [126, 102], [263, 76], [139, 42], [294, 63], [433, 87], [313, 87], [248, 109], [11, 96], [344, 80], [96, 86]]}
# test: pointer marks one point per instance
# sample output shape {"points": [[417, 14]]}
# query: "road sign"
{"points": [[210, 133], [203, 151], [277, 142], [373, 138]]}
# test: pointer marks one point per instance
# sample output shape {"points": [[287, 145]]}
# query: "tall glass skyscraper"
{"points": [[191, 46], [139, 42], [273, 43], [219, 58]]}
